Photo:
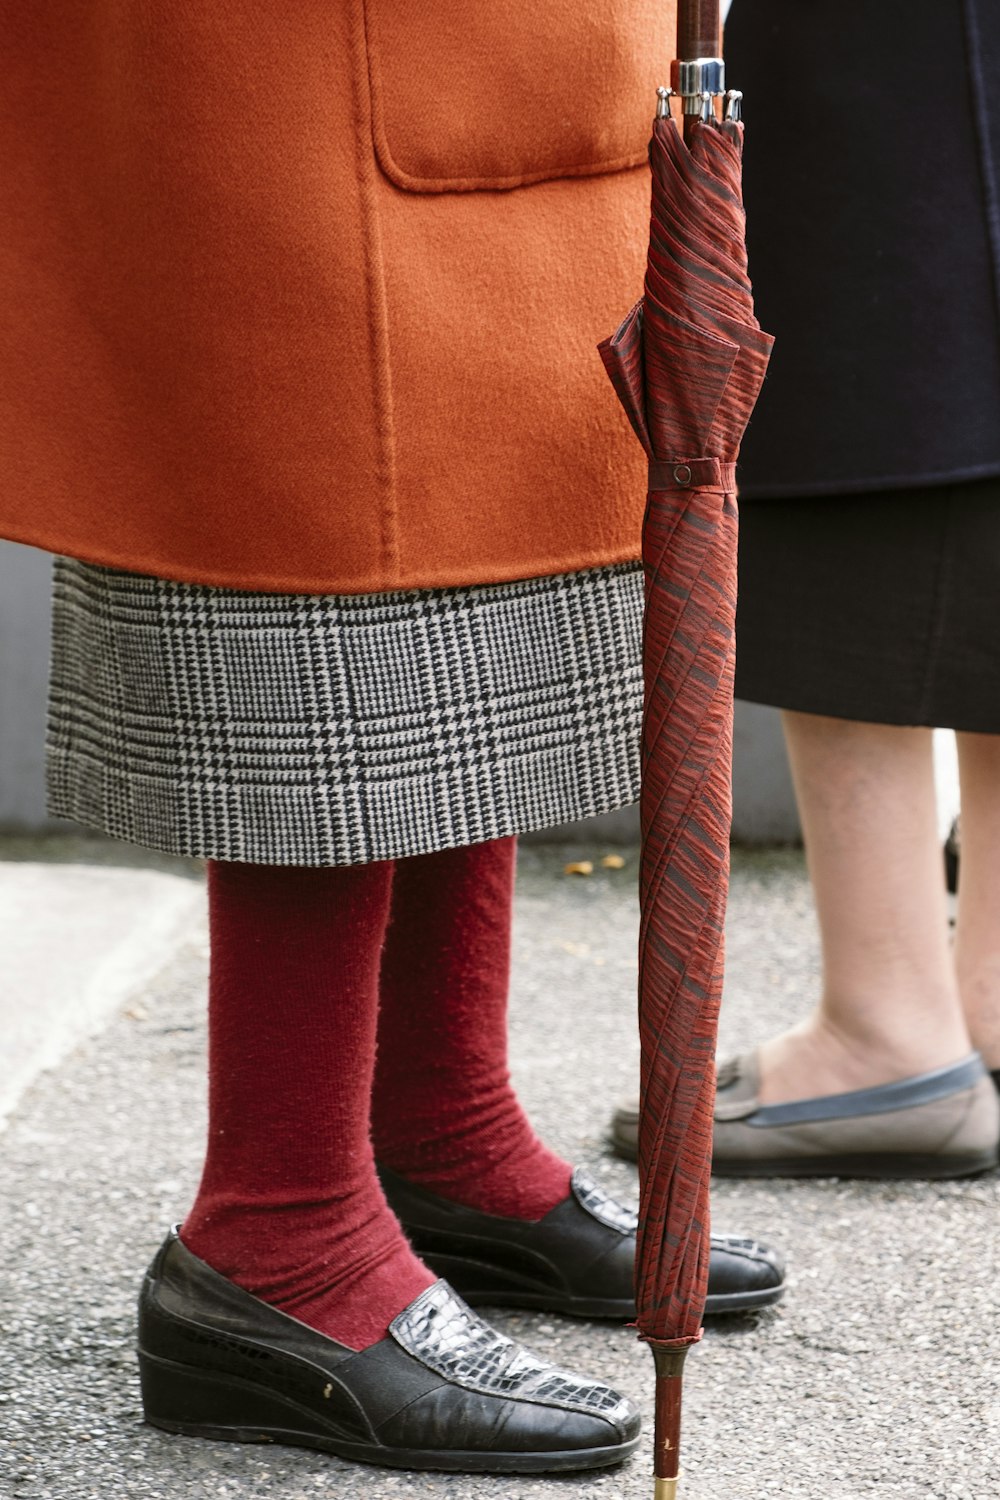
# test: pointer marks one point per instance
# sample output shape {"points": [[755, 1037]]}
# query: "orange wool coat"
{"points": [[306, 297]]}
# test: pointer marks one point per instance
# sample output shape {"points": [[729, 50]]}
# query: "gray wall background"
{"points": [[24, 653], [763, 803]]}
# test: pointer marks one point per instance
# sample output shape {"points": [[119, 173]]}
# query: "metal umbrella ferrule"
{"points": [[734, 105], [696, 78], [663, 98]]}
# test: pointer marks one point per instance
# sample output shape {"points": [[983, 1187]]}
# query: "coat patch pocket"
{"points": [[481, 96]]}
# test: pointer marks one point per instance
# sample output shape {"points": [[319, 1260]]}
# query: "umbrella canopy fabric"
{"points": [[687, 364]]}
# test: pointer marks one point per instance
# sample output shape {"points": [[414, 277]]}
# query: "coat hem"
{"points": [[470, 575], [863, 486]]}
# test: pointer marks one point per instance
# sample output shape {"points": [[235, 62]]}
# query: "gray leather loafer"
{"points": [[940, 1124], [623, 1132]]}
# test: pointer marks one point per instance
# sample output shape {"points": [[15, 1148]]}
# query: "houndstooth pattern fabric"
{"points": [[447, 1336], [332, 729]]}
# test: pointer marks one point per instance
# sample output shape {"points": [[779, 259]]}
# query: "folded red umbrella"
{"points": [[687, 364]]}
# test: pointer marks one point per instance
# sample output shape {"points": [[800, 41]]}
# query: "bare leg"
{"points": [[890, 1005], [977, 942]]}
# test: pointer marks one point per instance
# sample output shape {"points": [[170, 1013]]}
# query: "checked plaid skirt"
{"points": [[336, 729]]}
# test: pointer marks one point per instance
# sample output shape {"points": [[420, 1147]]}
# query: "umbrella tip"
{"points": [[666, 1489], [663, 98]]}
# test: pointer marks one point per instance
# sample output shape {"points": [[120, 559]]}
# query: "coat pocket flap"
{"points": [[493, 96]]}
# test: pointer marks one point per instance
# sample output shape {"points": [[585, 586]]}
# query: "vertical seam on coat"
{"points": [[987, 166], [939, 606], [378, 317]]}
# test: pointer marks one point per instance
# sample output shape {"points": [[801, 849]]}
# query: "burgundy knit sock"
{"points": [[289, 1205], [443, 1111]]}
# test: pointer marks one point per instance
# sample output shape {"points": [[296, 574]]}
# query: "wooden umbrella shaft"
{"points": [[697, 73], [669, 1360], [697, 29]]}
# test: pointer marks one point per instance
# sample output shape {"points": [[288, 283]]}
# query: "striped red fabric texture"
{"points": [[687, 364]]}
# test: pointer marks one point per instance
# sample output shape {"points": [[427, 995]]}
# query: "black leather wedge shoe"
{"points": [[443, 1391], [578, 1259]]}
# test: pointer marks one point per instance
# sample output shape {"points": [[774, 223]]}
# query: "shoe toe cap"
{"points": [[549, 1427], [457, 1419], [742, 1264]]}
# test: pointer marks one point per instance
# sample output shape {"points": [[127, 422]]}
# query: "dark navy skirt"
{"points": [[881, 607]]}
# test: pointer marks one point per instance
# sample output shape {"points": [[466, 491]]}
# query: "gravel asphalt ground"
{"points": [[878, 1374]]}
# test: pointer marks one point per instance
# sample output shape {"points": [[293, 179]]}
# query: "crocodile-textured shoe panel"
{"points": [[739, 1244], [443, 1333], [600, 1205], [591, 1196]]}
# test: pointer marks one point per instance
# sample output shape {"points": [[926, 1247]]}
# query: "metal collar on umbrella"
{"points": [[698, 84]]}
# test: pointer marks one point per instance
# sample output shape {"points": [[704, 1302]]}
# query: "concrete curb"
{"points": [[76, 942]]}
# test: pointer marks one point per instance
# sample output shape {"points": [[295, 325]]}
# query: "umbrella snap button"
{"points": [[682, 474]]}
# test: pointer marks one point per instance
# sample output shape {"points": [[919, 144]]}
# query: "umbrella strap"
{"points": [[692, 473]]}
